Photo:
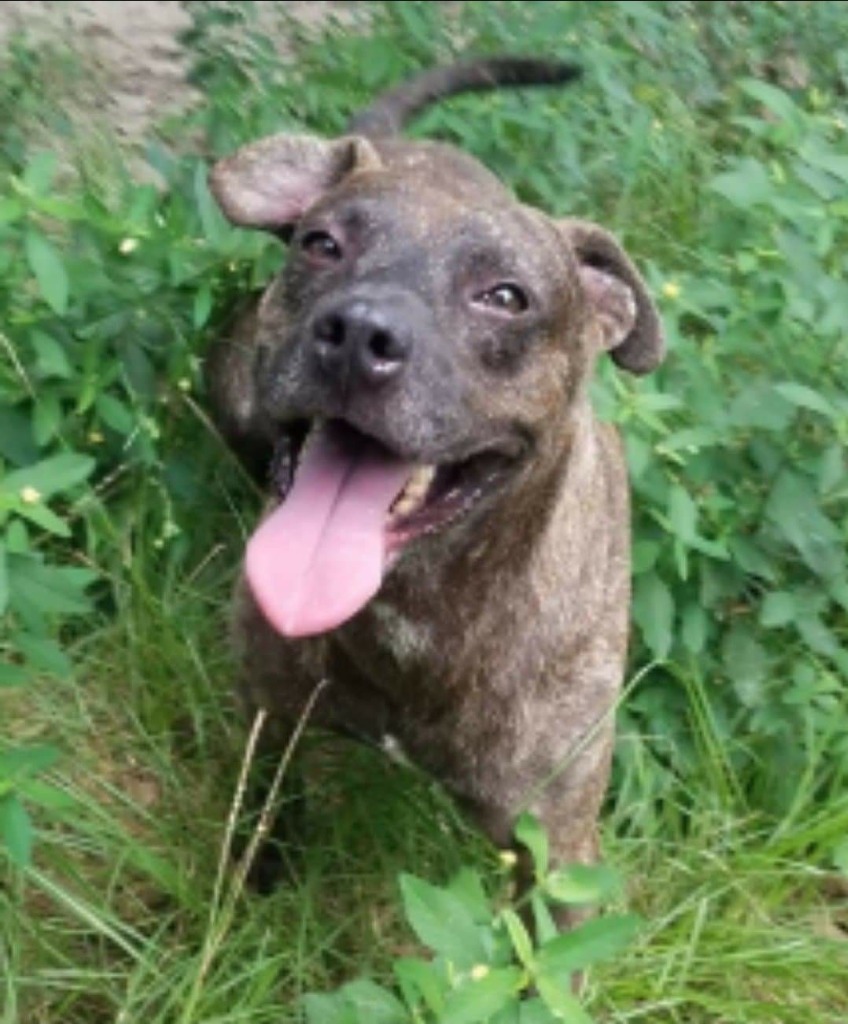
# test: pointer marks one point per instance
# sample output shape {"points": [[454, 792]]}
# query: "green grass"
{"points": [[115, 919], [728, 815]]}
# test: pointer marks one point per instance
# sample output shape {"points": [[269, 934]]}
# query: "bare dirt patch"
{"points": [[134, 63]]}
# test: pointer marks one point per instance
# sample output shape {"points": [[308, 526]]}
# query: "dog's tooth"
{"points": [[415, 491], [403, 506], [420, 480]]}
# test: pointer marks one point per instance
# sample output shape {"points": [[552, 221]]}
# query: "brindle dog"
{"points": [[448, 538]]}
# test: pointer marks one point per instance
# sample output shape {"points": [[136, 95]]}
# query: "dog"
{"points": [[447, 540]]}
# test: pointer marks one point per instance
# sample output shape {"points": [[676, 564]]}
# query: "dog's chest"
{"points": [[401, 641]]}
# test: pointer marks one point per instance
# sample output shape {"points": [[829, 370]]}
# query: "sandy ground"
{"points": [[131, 49]]}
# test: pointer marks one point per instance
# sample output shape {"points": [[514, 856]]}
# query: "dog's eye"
{"points": [[321, 246], [506, 298]]}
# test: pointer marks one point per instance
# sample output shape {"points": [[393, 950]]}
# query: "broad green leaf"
{"points": [[17, 539], [478, 999], [20, 762], [15, 829], [509, 1014], [645, 554], [37, 791], [529, 832], [372, 1003], [693, 627], [39, 172], [832, 471], [50, 476], [794, 508], [202, 305], [640, 455], [44, 653], [747, 665], [10, 210], [580, 884], [51, 358], [4, 579], [215, 227], [838, 590], [657, 401], [46, 419], [418, 979], [16, 440], [711, 548], [534, 1011], [653, 610], [558, 998], [43, 517], [468, 888], [329, 1009], [115, 414], [745, 185], [821, 639], [778, 609], [759, 405], [805, 398], [519, 936], [822, 156], [752, 559], [682, 513], [592, 942], [771, 97], [46, 264], [691, 439], [544, 926], [48, 589], [442, 922], [840, 857]]}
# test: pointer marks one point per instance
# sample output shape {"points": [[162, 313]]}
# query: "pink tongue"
{"points": [[319, 557]]}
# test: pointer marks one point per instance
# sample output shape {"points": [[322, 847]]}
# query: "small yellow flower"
{"points": [[671, 290], [30, 496], [127, 246], [509, 858], [95, 437], [479, 971]]}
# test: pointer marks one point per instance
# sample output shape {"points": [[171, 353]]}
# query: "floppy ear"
{"points": [[269, 184], [625, 317]]}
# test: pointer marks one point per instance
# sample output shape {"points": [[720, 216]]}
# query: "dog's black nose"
{"points": [[360, 340]]}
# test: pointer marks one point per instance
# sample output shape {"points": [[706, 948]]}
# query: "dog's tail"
{"points": [[391, 111]]}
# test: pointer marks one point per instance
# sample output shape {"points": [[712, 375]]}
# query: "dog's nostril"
{"points": [[331, 330], [383, 346]]}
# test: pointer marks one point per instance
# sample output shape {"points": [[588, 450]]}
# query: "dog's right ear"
{"points": [[625, 318], [271, 183]]}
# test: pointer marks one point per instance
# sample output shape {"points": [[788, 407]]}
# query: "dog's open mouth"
{"points": [[348, 505]]}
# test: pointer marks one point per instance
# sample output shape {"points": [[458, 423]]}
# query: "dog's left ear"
{"points": [[623, 314], [271, 183]]}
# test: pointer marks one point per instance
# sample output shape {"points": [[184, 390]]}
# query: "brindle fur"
{"points": [[495, 650]]}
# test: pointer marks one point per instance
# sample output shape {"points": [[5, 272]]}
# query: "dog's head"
{"points": [[420, 352]]}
